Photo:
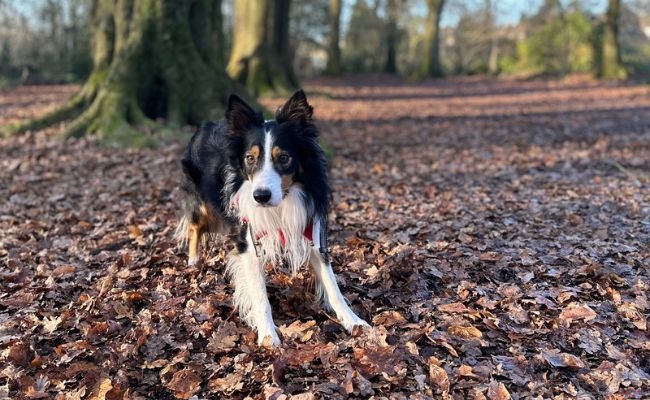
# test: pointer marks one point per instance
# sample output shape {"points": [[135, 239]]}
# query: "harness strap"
{"points": [[255, 238]]}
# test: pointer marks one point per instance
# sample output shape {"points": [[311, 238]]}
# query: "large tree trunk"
{"points": [[334, 53], [610, 63], [152, 59], [261, 56], [430, 66]]}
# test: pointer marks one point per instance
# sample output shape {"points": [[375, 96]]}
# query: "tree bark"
{"points": [[334, 53], [493, 54], [430, 66], [152, 59], [261, 56], [610, 65], [391, 37]]}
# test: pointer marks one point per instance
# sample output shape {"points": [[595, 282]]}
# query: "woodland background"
{"points": [[491, 209]]}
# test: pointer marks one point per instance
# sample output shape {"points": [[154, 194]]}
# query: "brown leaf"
{"points": [[50, 324], [302, 331], [453, 308], [467, 332], [562, 360], [389, 318], [490, 256], [465, 370], [465, 238], [378, 360], [63, 270], [101, 388], [185, 383], [438, 375], [576, 311], [497, 391]]}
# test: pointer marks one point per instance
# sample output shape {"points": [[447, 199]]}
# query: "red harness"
{"points": [[308, 232]]}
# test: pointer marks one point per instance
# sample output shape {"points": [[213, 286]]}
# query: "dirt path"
{"points": [[496, 233]]}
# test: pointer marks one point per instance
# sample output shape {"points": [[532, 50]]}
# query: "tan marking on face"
{"points": [[275, 152], [255, 151], [287, 181]]}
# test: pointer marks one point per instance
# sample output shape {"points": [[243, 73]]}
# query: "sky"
{"points": [[511, 11]]}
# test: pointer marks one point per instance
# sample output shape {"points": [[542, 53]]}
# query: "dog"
{"points": [[266, 181]]}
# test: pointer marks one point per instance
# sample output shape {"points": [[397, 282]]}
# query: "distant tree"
{"points": [[492, 37], [610, 61], [261, 57], [44, 42], [392, 13], [558, 41], [471, 47], [152, 59], [430, 65], [364, 49], [334, 50]]}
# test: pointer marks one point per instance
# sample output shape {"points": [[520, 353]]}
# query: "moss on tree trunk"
{"points": [[610, 63], [261, 57], [152, 60]]}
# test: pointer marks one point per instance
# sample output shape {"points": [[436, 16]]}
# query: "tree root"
{"points": [[116, 119], [70, 109]]}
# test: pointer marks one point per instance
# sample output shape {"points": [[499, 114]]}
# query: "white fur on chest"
{"points": [[280, 231]]}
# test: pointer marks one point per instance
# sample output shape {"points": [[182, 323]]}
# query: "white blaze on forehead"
{"points": [[268, 178]]}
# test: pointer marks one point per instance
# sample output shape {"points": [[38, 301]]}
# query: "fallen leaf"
{"points": [[438, 375], [389, 318], [562, 360], [497, 391], [466, 332], [185, 383], [575, 311]]}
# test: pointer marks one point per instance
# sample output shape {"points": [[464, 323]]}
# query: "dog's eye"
{"points": [[284, 159], [250, 159]]}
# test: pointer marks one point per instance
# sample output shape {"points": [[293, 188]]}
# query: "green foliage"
{"points": [[365, 47], [560, 45]]}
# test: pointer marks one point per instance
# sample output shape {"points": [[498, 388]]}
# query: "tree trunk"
{"points": [[152, 59], [391, 37], [430, 65], [261, 57], [334, 54], [610, 65], [493, 54]]}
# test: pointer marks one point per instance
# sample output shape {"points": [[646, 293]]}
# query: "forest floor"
{"points": [[495, 233]]}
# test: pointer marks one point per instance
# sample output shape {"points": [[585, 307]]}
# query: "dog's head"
{"points": [[269, 152]]}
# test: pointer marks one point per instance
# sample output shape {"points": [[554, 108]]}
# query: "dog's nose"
{"points": [[262, 196]]}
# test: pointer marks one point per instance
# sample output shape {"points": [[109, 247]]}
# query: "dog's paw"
{"points": [[268, 341], [352, 323], [191, 262], [267, 336]]}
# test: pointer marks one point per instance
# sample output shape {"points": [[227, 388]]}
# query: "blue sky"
{"points": [[511, 11]]}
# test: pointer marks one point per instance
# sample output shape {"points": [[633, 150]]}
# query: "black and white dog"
{"points": [[267, 180]]}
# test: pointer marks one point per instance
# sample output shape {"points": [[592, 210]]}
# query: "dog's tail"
{"points": [[181, 232]]}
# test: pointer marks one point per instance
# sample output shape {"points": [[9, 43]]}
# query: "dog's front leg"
{"points": [[328, 289], [247, 274]]}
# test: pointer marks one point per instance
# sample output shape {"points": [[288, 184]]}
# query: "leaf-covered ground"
{"points": [[495, 232]]}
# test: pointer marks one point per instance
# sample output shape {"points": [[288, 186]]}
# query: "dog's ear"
{"points": [[240, 116], [295, 109]]}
